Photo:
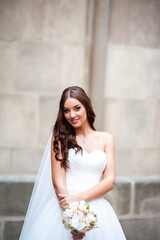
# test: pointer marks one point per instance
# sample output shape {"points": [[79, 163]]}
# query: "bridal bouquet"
{"points": [[79, 216]]}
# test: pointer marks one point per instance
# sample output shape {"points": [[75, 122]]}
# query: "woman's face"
{"points": [[75, 112]]}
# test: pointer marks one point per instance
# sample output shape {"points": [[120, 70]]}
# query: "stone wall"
{"points": [[44, 47], [135, 201], [112, 49], [132, 86]]}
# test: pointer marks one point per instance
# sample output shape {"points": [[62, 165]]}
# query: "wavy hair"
{"points": [[63, 132]]}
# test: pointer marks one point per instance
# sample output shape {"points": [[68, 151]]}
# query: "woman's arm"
{"points": [[107, 182], [59, 183], [58, 174]]}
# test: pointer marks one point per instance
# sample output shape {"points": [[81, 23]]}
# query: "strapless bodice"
{"points": [[85, 169]]}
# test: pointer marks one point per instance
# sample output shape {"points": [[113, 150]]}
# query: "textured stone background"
{"points": [[112, 49]]}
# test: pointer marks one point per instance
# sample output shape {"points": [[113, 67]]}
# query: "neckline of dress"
{"points": [[96, 150], [89, 153]]}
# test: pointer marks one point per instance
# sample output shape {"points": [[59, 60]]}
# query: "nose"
{"points": [[73, 114]]}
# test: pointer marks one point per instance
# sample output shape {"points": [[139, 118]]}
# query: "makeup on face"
{"points": [[74, 112]]}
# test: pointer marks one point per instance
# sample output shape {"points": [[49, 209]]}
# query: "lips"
{"points": [[74, 121]]}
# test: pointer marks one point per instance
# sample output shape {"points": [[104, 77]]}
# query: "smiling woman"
{"points": [[78, 164], [74, 112]]}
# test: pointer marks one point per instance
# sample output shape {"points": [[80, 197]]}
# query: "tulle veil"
{"points": [[43, 201]]}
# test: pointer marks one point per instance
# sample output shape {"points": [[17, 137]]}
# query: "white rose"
{"points": [[67, 213], [90, 218], [76, 222], [73, 205], [82, 202]]}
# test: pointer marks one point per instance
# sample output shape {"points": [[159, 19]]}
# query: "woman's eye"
{"points": [[65, 111], [78, 108]]}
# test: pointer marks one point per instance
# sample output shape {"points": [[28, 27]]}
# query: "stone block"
{"points": [[22, 20], [74, 66], [15, 198], [65, 21], [137, 162], [130, 122], [9, 20], [132, 73], [48, 111], [5, 162], [141, 228], [151, 206], [1, 230], [144, 31], [12, 230], [17, 119], [39, 68], [25, 160], [129, 25], [50, 21], [118, 21], [120, 198], [145, 194], [7, 65]]}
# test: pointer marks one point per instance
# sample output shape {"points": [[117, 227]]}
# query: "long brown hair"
{"points": [[64, 133]]}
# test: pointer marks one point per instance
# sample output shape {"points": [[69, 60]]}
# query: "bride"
{"points": [[78, 164]]}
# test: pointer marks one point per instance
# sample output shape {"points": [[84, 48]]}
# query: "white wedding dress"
{"points": [[43, 218]]}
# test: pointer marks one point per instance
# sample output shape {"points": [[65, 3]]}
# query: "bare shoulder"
{"points": [[106, 137]]}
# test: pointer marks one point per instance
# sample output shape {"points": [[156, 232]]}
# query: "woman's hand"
{"points": [[77, 235], [65, 200]]}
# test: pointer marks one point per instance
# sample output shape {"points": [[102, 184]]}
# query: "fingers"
{"points": [[63, 201], [77, 238], [61, 196], [77, 235]]}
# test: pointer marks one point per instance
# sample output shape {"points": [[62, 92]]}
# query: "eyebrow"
{"points": [[74, 106]]}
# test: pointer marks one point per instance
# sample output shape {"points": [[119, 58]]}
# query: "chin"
{"points": [[76, 125]]}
